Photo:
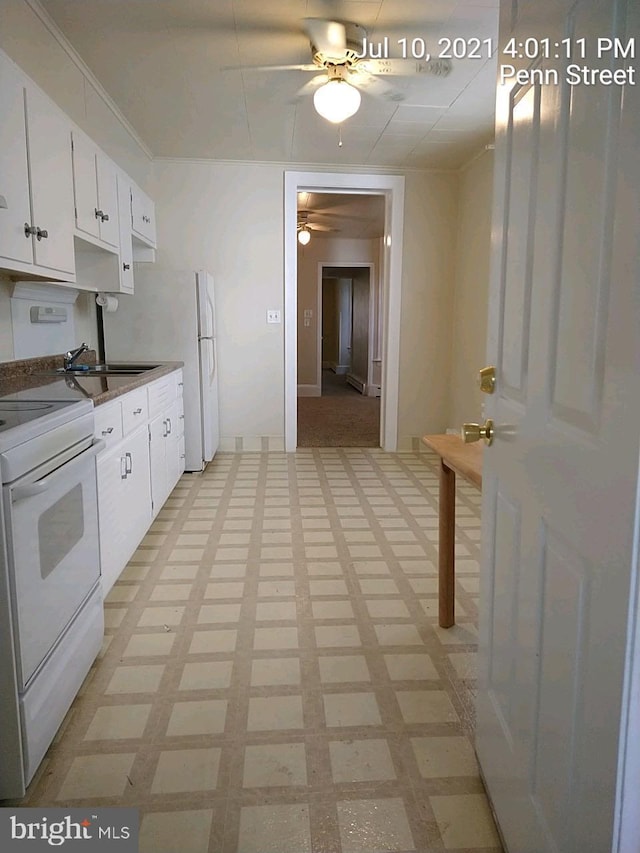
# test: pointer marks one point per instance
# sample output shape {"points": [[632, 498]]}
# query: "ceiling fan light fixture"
{"points": [[337, 100], [304, 235]]}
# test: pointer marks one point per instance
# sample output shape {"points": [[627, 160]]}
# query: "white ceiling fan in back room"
{"points": [[306, 226], [342, 54]]}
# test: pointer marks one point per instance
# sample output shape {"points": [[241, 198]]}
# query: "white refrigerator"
{"points": [[171, 317]]}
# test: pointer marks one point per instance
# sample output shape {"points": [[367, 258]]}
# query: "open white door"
{"points": [[560, 480]]}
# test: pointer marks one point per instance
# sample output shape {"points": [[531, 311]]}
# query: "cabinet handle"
{"points": [[180, 384], [99, 214], [29, 230], [105, 217], [41, 234], [137, 411], [169, 426], [182, 456], [180, 417], [126, 266], [107, 431], [123, 468], [164, 428], [129, 466], [146, 219]]}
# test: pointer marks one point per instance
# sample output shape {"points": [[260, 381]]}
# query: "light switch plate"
{"points": [[273, 316], [308, 313]]}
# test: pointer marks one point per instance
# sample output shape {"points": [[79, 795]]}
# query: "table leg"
{"points": [[446, 547]]}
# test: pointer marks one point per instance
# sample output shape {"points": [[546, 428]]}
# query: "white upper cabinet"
{"points": [[143, 219], [95, 190], [67, 212], [36, 235]]}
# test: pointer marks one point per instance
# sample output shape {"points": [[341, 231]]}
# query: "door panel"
{"points": [[560, 480]]}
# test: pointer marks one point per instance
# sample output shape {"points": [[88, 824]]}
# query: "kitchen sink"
{"points": [[106, 369]]}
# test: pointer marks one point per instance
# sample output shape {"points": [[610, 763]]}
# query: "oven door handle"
{"points": [[37, 487]]}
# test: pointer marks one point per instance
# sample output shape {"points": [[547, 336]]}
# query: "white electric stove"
{"points": [[51, 618]]}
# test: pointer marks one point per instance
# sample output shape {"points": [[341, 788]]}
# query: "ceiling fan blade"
{"points": [[314, 226], [405, 67], [308, 67], [310, 86], [375, 86], [329, 37]]}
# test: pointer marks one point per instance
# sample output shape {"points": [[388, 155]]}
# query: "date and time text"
{"points": [[584, 60]]}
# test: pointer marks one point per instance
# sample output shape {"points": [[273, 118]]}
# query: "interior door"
{"points": [[560, 480]]}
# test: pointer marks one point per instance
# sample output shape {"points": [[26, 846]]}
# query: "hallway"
{"points": [[273, 678]]}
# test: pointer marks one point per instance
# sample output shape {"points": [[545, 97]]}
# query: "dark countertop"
{"points": [[30, 375]]}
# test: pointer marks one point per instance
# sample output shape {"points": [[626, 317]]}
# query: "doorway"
{"points": [[392, 188], [342, 407]]}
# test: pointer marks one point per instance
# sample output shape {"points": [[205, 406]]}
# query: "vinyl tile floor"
{"points": [[273, 677]]}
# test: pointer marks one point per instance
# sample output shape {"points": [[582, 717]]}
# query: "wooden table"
{"points": [[456, 457]]}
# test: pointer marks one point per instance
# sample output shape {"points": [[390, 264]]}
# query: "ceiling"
{"points": [[163, 63], [355, 216]]}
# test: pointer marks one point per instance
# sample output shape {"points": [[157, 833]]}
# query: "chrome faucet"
{"points": [[73, 355]]}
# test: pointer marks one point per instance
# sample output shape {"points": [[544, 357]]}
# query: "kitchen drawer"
{"points": [[135, 409], [161, 394], [108, 422]]}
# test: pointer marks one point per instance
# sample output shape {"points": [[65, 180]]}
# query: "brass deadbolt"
{"points": [[487, 380]]}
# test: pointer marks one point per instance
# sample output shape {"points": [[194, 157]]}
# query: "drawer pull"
{"points": [[137, 411], [129, 464], [107, 431]]}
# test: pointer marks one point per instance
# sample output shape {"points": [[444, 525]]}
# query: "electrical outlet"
{"points": [[308, 313], [273, 316]]}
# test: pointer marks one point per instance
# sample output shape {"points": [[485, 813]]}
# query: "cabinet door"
{"points": [[111, 471], [51, 182], [85, 184], [107, 199], [158, 461], [136, 506], [14, 174], [143, 220], [124, 225]]}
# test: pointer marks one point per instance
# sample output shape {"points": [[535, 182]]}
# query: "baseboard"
{"points": [[309, 391], [340, 369], [358, 384], [252, 444]]}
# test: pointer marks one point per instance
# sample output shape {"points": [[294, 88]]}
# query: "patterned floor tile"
{"points": [[273, 678]]}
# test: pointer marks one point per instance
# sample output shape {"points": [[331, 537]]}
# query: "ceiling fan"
{"points": [[345, 69], [306, 226]]}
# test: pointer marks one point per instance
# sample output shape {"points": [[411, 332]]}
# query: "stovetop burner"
{"points": [[23, 414], [22, 406]]}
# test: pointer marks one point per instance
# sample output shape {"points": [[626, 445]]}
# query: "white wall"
{"points": [[469, 328], [427, 302], [228, 218]]}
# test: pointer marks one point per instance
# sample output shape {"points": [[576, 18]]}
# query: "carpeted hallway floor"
{"points": [[341, 417]]}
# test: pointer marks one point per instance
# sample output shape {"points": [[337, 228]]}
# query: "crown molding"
{"points": [[89, 77]]}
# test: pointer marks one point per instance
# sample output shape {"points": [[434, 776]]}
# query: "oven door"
{"points": [[54, 561]]}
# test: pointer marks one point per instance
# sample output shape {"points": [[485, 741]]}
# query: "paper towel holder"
{"points": [[107, 301]]}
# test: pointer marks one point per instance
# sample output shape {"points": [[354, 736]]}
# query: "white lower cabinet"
{"points": [[166, 438], [124, 502], [141, 464]]}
